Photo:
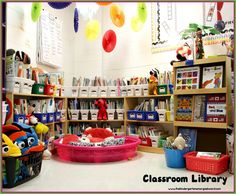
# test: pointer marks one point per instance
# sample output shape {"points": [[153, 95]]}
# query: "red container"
{"points": [[146, 141], [98, 154], [49, 89], [205, 165]]}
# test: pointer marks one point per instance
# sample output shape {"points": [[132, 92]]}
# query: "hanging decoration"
{"points": [[76, 20], [136, 24], [59, 5], [142, 12], [87, 10], [92, 30], [109, 41], [117, 15], [36, 11], [219, 25], [103, 3]]}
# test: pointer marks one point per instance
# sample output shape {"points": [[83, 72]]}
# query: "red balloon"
{"points": [[109, 41]]}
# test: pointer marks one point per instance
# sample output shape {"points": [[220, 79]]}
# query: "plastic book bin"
{"points": [[175, 158], [57, 116], [206, 165], [13, 174], [4, 112], [83, 154], [19, 118], [38, 89], [50, 117], [42, 117], [151, 116], [49, 89]]}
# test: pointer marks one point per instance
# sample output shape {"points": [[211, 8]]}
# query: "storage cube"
{"points": [[42, 117], [130, 90], [145, 89], [20, 118], [74, 114], [162, 89], [103, 91], [94, 114], [120, 114], [84, 114], [111, 114], [26, 86], [93, 91], [123, 91], [50, 117], [112, 91], [38, 89], [13, 84], [83, 91], [138, 90]]}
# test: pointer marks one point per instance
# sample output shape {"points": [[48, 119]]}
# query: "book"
{"points": [[190, 136], [184, 108], [199, 108], [212, 77], [216, 108], [187, 78], [209, 155]]}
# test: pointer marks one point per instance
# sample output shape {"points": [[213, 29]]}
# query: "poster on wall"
{"points": [[49, 40]]}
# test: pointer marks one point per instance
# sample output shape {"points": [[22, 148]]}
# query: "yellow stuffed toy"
{"points": [[8, 148]]}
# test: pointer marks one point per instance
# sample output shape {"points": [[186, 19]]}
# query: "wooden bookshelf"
{"points": [[97, 97], [201, 91], [149, 96], [94, 121], [200, 124], [150, 149], [151, 122]]}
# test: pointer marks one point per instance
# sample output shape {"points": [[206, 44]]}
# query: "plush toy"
{"points": [[8, 148], [102, 106], [153, 82], [169, 141], [182, 53], [69, 138], [199, 44], [229, 46], [98, 132], [179, 142]]}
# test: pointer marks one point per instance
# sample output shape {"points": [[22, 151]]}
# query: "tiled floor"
{"points": [[119, 176]]}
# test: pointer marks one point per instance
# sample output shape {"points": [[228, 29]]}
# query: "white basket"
{"points": [[161, 114], [4, 112], [83, 91], [123, 91], [130, 90], [154, 141], [138, 90], [93, 91], [103, 91], [145, 89], [13, 84], [70, 91], [94, 114], [120, 114], [74, 114], [63, 114], [26, 86], [112, 91], [111, 114], [84, 114]]}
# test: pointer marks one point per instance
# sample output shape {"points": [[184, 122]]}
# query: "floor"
{"points": [[119, 176]]}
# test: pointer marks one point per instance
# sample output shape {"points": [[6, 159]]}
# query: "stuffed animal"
{"points": [[8, 148], [153, 82], [102, 106], [182, 53], [169, 141], [199, 44], [69, 138], [179, 142], [98, 132]]}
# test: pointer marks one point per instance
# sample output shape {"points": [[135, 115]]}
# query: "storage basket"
{"points": [[42, 117], [50, 117], [49, 89], [175, 158], [19, 118], [151, 116], [131, 114], [206, 165], [162, 89], [18, 170], [38, 89], [57, 116], [98, 154]]}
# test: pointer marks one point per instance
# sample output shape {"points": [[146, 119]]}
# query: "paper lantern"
{"points": [[142, 12], [76, 20], [117, 15], [87, 10], [59, 5], [136, 24], [103, 3], [36, 11], [92, 30], [109, 41]]}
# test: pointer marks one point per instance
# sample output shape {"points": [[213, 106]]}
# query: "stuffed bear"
{"points": [[102, 106], [179, 142]]}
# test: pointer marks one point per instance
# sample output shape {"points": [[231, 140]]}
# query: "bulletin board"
{"points": [[49, 40]]}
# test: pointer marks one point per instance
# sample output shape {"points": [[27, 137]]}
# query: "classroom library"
{"points": [[118, 96]]}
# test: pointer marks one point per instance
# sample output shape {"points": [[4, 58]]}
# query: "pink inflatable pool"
{"points": [[98, 154]]}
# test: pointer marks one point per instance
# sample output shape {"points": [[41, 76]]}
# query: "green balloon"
{"points": [[142, 12], [36, 11]]}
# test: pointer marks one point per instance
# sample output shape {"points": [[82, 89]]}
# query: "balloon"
{"points": [[76, 20], [142, 12], [219, 25], [59, 5], [136, 24], [36, 11], [103, 3], [109, 41], [117, 15], [92, 30]]}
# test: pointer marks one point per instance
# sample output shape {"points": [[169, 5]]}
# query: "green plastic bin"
{"points": [[38, 89]]}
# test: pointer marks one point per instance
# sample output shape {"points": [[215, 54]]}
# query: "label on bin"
{"points": [[40, 89]]}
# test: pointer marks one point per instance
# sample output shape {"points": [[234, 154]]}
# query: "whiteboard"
{"points": [[49, 40]]}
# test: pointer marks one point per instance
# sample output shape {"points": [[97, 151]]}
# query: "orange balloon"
{"points": [[103, 3], [117, 15]]}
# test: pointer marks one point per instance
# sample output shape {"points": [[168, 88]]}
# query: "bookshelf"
{"points": [[208, 133]]}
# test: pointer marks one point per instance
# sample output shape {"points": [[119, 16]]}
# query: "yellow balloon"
{"points": [[136, 24], [92, 30]]}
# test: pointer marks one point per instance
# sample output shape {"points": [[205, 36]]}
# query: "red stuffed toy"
{"points": [[98, 133], [102, 106]]}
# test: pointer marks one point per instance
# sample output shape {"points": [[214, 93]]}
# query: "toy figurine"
{"points": [[199, 44], [182, 53], [102, 106], [153, 82], [229, 46]]}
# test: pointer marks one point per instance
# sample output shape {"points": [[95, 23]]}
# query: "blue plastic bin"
{"points": [[57, 116], [140, 115], [151, 116], [131, 114], [50, 117], [175, 158], [171, 87], [42, 117], [19, 118]]}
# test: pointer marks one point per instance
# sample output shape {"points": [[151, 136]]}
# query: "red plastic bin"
{"points": [[98, 154], [49, 89], [205, 165]]}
